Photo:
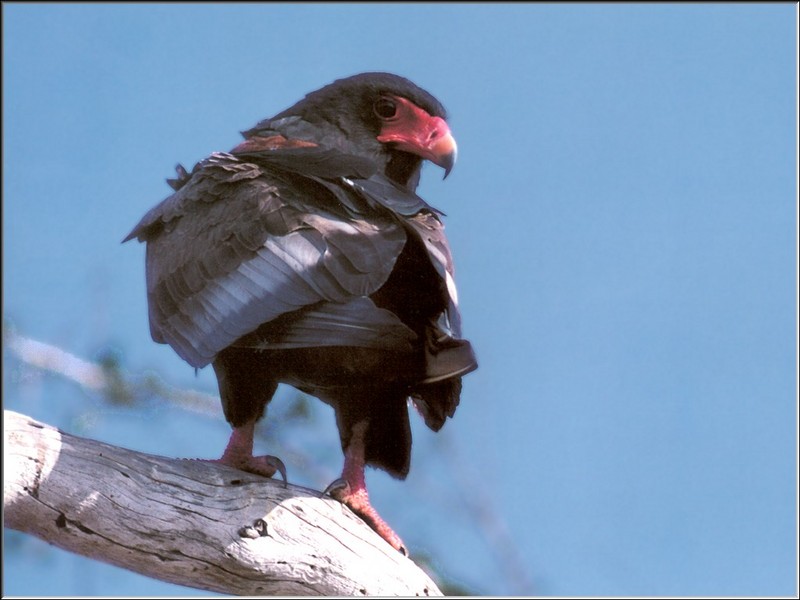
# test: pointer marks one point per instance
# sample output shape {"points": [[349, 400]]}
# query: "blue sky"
{"points": [[624, 221]]}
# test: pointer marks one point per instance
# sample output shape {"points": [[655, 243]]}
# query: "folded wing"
{"points": [[239, 245]]}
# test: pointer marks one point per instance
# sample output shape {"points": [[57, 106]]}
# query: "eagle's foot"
{"points": [[358, 501], [265, 465], [239, 455]]}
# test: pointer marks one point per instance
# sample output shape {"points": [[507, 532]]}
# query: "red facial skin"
{"points": [[413, 130]]}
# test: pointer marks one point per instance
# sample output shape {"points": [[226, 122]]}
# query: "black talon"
{"points": [[279, 467], [336, 484]]}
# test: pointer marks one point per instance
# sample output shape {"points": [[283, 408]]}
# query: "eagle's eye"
{"points": [[385, 108]]}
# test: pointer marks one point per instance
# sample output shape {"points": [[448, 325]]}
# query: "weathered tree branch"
{"points": [[192, 523]]}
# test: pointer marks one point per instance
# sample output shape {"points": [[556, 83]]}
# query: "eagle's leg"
{"points": [[239, 454], [351, 489], [245, 389]]}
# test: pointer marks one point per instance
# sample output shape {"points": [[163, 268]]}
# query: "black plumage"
{"points": [[304, 256]]}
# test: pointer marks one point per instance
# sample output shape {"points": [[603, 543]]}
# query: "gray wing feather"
{"points": [[237, 246]]}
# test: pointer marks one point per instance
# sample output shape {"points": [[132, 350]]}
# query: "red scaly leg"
{"points": [[351, 489]]}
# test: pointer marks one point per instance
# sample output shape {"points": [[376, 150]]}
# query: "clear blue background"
{"points": [[624, 222]]}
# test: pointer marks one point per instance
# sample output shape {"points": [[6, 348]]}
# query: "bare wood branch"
{"points": [[192, 523]]}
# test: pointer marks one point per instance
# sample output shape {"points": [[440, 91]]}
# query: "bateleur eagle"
{"points": [[304, 256]]}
